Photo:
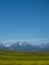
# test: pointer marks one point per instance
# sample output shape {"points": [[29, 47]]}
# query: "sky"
{"points": [[24, 20]]}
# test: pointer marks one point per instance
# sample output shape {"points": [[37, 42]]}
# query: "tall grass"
{"points": [[24, 58]]}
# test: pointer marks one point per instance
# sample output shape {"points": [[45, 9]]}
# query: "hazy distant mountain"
{"points": [[2, 46], [23, 46]]}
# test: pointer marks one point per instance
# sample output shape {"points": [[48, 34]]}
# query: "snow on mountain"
{"points": [[7, 44], [24, 46], [1, 45]]}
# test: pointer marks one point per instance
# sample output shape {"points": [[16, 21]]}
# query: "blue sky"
{"points": [[24, 20]]}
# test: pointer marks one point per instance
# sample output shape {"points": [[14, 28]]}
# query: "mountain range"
{"points": [[23, 46]]}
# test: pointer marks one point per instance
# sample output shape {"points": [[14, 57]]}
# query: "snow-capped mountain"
{"points": [[1, 45], [23, 46]]}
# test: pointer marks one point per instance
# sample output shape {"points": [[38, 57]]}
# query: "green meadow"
{"points": [[24, 58]]}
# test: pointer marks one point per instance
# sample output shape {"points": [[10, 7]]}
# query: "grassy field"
{"points": [[24, 58]]}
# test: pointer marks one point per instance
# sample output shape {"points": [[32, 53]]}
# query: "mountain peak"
{"points": [[24, 46]]}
